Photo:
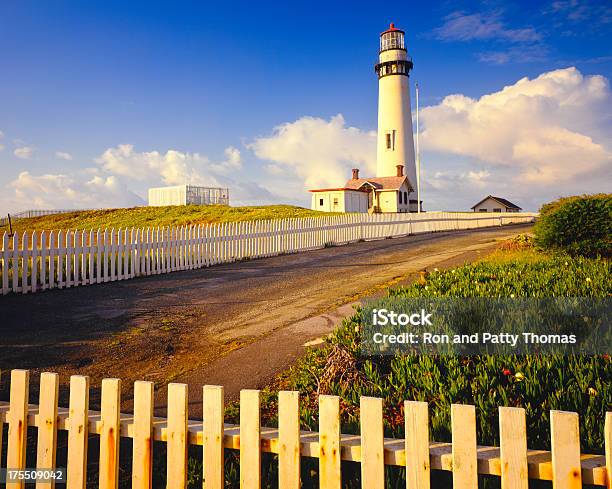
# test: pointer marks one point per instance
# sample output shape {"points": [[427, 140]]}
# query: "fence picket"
{"points": [[25, 261], [372, 443], [463, 426], [142, 448], [250, 450], [47, 425], [565, 450], [288, 440], [78, 430], [513, 448], [608, 448], [109, 434], [176, 436], [18, 424], [34, 281], [212, 437], [5, 263], [418, 468], [329, 442]]}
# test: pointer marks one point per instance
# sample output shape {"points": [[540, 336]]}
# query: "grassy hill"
{"points": [[158, 216]]}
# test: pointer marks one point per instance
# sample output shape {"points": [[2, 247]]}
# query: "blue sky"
{"points": [[93, 96]]}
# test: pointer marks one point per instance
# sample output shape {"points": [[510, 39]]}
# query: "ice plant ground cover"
{"points": [[538, 383]]}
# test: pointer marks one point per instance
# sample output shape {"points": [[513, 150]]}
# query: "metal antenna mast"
{"points": [[418, 152]]}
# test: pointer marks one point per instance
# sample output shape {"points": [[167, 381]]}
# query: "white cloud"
{"points": [[318, 152], [459, 26], [24, 152], [170, 168], [548, 130], [57, 191], [62, 155]]}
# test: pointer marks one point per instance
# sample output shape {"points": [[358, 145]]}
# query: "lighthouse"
{"points": [[394, 188], [395, 145]]}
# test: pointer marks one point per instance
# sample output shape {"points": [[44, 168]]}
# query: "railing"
{"points": [[61, 259], [36, 213], [511, 461]]}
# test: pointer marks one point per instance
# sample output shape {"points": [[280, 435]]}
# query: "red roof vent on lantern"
{"points": [[392, 28]]}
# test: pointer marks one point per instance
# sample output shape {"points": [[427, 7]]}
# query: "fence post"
{"points": [[513, 448], [608, 447], [250, 436], [109, 434], [212, 437], [372, 443], [78, 429], [177, 437], [463, 425], [288, 440], [142, 450], [565, 450], [18, 423], [47, 425], [329, 442], [418, 469]]}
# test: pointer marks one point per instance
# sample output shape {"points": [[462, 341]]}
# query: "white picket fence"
{"points": [[35, 261]]}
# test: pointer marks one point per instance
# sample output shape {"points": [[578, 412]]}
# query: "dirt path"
{"points": [[236, 325]]}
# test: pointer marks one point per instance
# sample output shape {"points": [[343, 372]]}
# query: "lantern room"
{"points": [[392, 38]]}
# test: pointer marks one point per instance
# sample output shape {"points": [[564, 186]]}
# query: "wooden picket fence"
{"points": [[35, 261], [511, 461]]}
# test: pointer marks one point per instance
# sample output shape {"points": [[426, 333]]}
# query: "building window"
{"points": [[405, 197], [336, 201], [321, 202], [482, 210], [390, 140], [400, 197], [497, 210]]}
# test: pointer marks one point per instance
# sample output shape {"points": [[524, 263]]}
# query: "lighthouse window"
{"points": [[390, 140]]}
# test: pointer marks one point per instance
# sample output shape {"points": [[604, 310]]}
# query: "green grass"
{"points": [[159, 216]]}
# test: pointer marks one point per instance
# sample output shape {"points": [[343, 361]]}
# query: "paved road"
{"points": [[236, 324]]}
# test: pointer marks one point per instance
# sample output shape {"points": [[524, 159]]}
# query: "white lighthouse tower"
{"points": [[394, 188], [395, 148]]}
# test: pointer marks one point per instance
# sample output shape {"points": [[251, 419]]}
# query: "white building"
{"points": [[188, 194], [394, 187], [495, 204]]}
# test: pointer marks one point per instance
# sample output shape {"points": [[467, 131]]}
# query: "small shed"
{"points": [[188, 194], [495, 204]]}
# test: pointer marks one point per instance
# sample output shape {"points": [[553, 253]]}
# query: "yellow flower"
{"points": [[519, 376], [588, 279], [592, 392]]}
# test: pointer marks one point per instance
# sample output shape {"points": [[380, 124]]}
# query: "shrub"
{"points": [[581, 225]]}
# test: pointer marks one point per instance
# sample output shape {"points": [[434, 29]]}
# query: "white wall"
{"points": [[160, 196]]}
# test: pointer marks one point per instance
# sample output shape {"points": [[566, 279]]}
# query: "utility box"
{"points": [[188, 194]]}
